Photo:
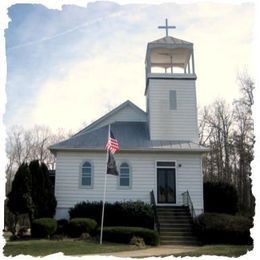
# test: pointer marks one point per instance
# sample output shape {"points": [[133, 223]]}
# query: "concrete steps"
{"points": [[176, 226]]}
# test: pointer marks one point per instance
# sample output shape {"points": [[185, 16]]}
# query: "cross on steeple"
{"points": [[166, 27]]}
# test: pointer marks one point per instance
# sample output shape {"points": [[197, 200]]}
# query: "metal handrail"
{"points": [[188, 202], [157, 224]]}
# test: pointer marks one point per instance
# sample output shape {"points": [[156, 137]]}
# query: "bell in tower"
{"points": [[170, 89]]}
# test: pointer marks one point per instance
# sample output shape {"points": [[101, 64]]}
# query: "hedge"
{"points": [[62, 226], [43, 227], [223, 228], [220, 197], [130, 213], [125, 234], [77, 226]]}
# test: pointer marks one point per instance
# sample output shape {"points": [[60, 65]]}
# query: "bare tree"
{"points": [[28, 145], [244, 139], [205, 131], [229, 133], [215, 130]]}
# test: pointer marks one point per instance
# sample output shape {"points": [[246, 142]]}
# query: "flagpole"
{"points": [[104, 196]]}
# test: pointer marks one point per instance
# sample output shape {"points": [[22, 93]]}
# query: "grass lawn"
{"points": [[219, 250], [43, 247]]}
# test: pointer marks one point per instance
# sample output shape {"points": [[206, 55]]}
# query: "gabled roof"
{"points": [[132, 137], [110, 117]]}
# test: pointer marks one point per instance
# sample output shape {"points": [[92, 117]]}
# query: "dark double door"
{"points": [[166, 185]]}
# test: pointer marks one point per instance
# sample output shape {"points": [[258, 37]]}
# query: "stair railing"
{"points": [[156, 221], [188, 203]]}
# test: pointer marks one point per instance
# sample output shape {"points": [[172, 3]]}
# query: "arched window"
{"points": [[86, 174], [124, 178]]}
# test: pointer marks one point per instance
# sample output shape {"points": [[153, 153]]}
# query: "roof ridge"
{"points": [[170, 37]]}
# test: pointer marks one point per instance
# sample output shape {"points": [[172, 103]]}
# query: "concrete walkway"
{"points": [[154, 251]]}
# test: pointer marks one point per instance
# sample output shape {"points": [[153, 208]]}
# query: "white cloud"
{"points": [[223, 47], [90, 89], [221, 34]]}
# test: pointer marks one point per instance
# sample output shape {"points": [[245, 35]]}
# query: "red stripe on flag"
{"points": [[112, 145]]}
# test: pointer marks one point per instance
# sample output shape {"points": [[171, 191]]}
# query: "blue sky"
{"points": [[67, 67]]}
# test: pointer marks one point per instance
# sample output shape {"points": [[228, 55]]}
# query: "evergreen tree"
{"points": [[50, 200], [20, 199], [32, 192], [42, 192]]}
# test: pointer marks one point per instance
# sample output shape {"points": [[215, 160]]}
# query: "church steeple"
{"points": [[170, 88]]}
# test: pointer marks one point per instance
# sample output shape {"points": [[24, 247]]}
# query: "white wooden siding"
{"points": [[143, 166], [167, 124]]}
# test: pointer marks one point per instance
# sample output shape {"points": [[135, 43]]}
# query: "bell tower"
{"points": [[170, 89]]}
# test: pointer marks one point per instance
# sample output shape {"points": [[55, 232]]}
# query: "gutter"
{"points": [[134, 150]]}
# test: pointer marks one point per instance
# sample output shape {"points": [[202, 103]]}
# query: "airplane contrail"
{"points": [[64, 32]]}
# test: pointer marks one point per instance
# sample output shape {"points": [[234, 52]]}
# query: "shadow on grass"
{"points": [[219, 250]]}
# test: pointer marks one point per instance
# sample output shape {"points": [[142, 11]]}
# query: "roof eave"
{"points": [[134, 150], [156, 45]]}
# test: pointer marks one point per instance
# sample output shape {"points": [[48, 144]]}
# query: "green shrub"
{"points": [[86, 210], [220, 197], [125, 234], [223, 228], [77, 226], [131, 213], [62, 226], [43, 227]]}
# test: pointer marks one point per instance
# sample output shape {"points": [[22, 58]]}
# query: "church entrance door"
{"points": [[166, 184]]}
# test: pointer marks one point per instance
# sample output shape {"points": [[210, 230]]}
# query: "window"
{"points": [[173, 100], [124, 178], [86, 175]]}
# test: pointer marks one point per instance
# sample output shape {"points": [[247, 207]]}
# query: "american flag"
{"points": [[112, 144]]}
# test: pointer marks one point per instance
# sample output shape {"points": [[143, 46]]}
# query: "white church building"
{"points": [[159, 148]]}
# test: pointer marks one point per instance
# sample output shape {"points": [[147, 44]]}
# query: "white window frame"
{"points": [[130, 177], [81, 175]]}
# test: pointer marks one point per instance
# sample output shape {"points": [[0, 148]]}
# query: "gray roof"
{"points": [[96, 123], [132, 136], [170, 40]]}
